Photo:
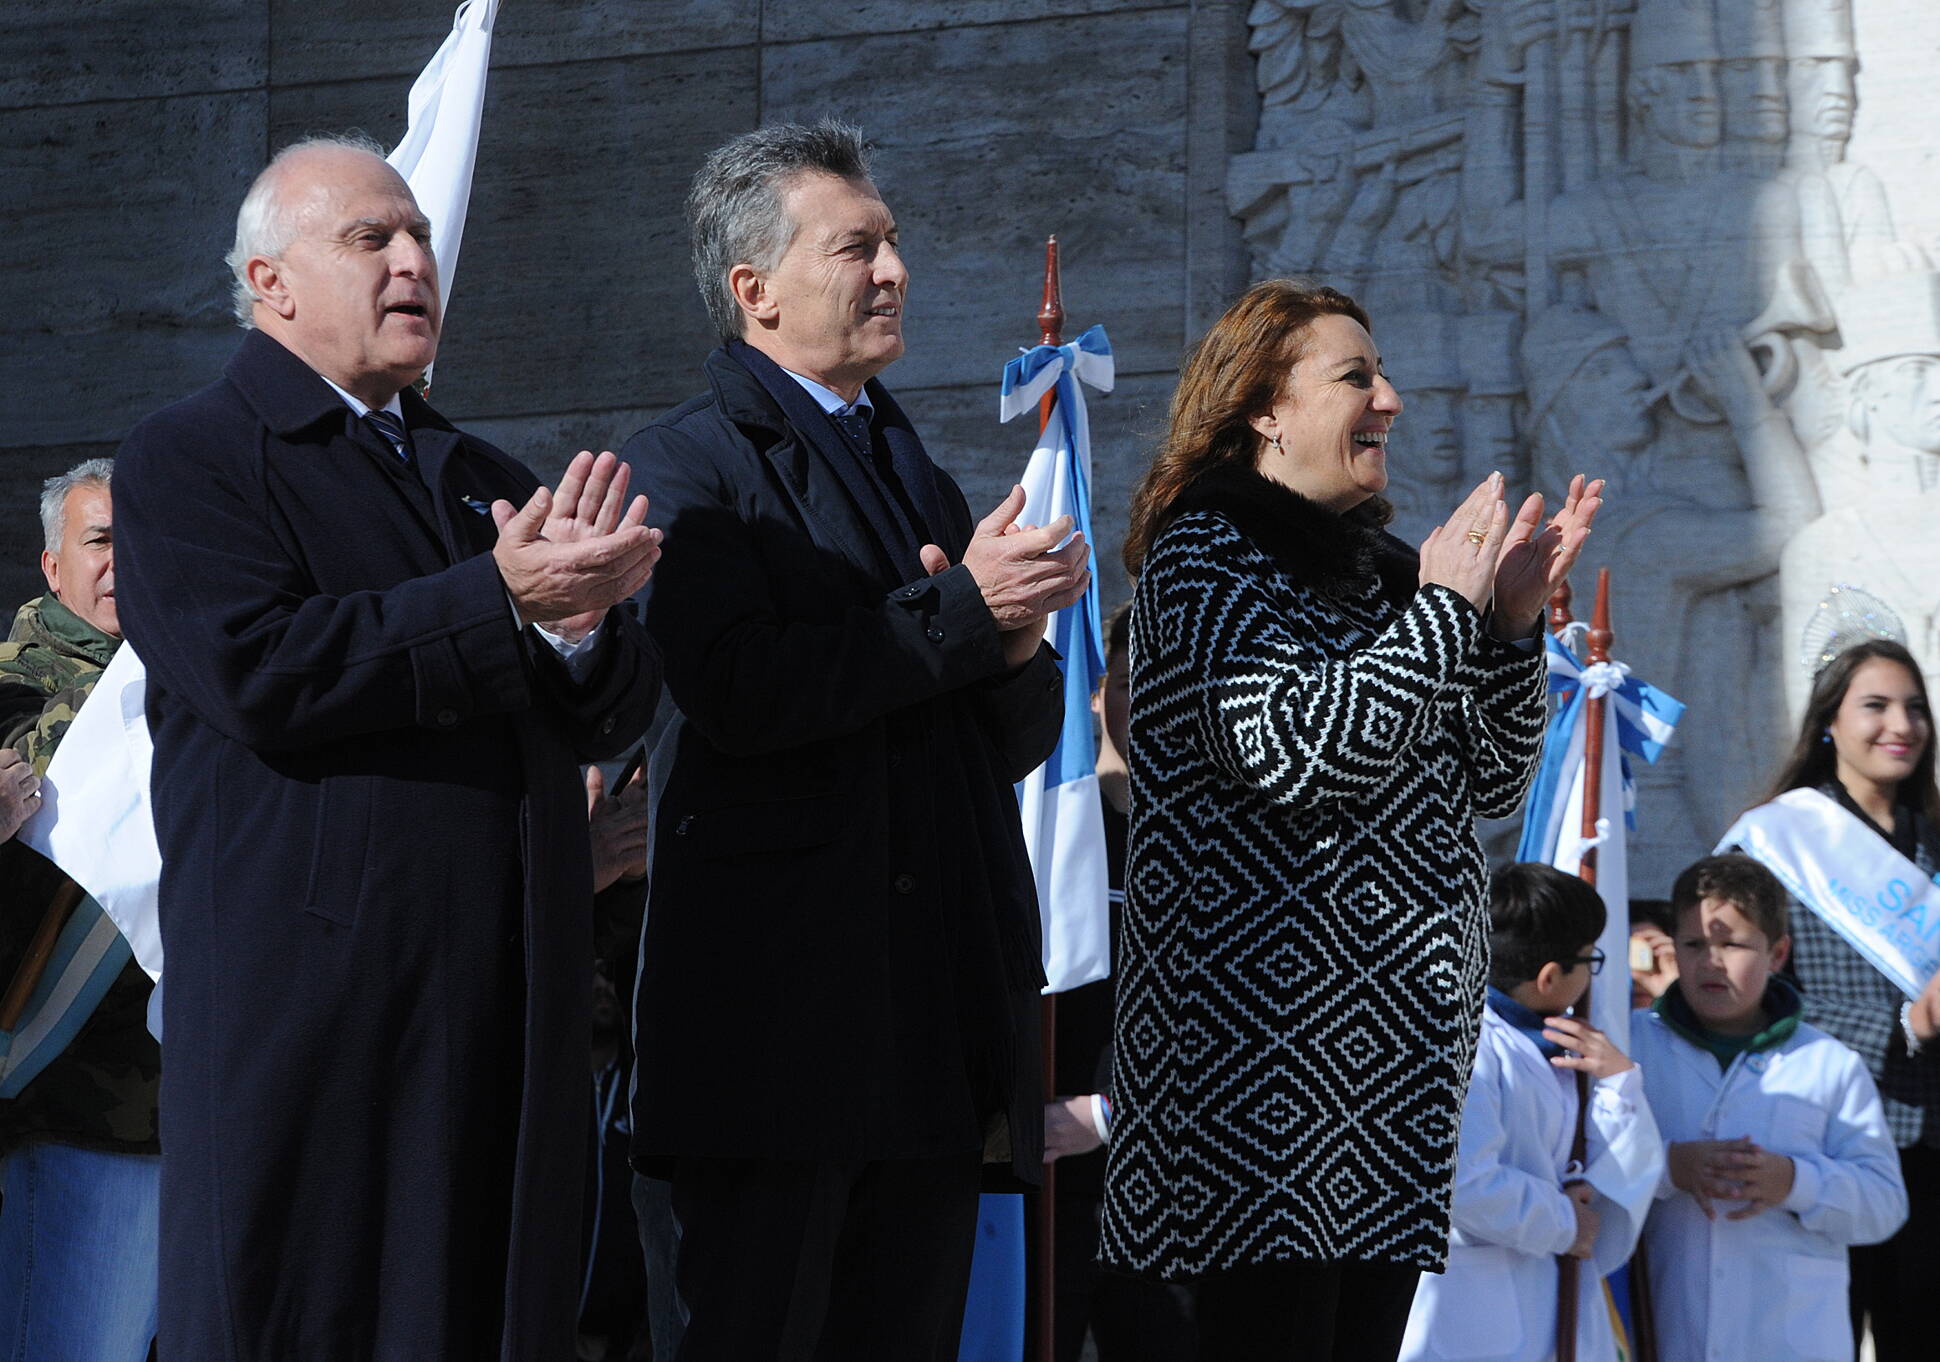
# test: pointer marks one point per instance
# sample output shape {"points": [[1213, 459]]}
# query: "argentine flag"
{"points": [[1064, 825], [1638, 720]]}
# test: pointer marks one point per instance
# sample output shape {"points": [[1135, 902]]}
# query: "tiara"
{"points": [[1847, 616]]}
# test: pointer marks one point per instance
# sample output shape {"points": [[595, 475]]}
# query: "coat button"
{"points": [[606, 724], [934, 633], [904, 883], [447, 718]]}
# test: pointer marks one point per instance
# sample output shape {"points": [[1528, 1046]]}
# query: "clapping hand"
{"points": [[1461, 552], [565, 558], [1532, 563], [1023, 574], [617, 825]]}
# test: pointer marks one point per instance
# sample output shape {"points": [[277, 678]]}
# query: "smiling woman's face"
{"points": [[1332, 419], [1882, 726]]}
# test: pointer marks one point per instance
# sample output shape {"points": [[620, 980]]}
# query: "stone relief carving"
{"points": [[1626, 236]]}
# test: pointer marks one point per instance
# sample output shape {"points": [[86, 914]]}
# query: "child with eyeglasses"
{"points": [[1778, 1159], [1519, 1202]]}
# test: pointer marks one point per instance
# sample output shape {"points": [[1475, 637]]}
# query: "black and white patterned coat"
{"points": [[1306, 943]]}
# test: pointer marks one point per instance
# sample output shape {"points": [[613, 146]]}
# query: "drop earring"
{"points": [[1826, 736]]}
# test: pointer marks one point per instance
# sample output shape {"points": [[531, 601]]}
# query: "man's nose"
{"points": [[890, 270], [412, 257]]}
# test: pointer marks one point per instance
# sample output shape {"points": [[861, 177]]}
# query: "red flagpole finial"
{"points": [[1050, 317]]}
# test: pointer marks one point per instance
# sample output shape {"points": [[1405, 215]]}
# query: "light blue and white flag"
{"points": [[1638, 720], [1064, 822], [99, 774]]}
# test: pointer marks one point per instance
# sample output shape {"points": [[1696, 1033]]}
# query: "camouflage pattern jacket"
{"points": [[100, 1093]]}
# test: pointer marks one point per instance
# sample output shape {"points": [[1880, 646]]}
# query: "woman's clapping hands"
{"points": [[1509, 569]]}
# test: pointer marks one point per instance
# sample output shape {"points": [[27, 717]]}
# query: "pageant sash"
{"points": [[1881, 903]]}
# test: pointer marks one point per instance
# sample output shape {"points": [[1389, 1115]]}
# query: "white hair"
{"points": [[54, 493], [265, 226]]}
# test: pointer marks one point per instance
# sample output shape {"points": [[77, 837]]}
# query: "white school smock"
{"points": [[1511, 1217], [1771, 1288]]}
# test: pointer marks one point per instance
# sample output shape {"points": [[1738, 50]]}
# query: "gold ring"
{"points": [[1477, 536]]}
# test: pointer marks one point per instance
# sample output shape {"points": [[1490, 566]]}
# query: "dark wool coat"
{"points": [[1305, 943], [840, 954], [376, 894]]}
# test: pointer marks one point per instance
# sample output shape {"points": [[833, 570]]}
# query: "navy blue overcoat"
{"points": [[376, 900]]}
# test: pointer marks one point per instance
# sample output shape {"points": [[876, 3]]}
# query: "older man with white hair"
{"points": [[376, 650]]}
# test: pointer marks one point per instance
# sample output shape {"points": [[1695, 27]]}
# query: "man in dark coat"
{"points": [[837, 1015], [376, 894]]}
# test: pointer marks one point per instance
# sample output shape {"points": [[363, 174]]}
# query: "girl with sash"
{"points": [[1853, 831]]}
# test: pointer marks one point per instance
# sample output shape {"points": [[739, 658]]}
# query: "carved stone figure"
{"points": [[1671, 554], [1881, 536], [1626, 237]]}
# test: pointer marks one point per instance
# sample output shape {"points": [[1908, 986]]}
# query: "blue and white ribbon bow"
{"points": [[1059, 802], [1645, 717]]}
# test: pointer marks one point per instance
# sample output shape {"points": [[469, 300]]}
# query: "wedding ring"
{"points": [[1477, 536]]}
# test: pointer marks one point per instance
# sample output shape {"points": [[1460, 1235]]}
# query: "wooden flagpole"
{"points": [[40, 951], [1050, 323], [1643, 1327], [1568, 1268]]}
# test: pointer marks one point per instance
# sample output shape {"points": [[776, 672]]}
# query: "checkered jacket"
{"points": [[1849, 998]]}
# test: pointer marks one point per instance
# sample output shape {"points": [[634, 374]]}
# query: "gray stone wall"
{"points": [[129, 130]]}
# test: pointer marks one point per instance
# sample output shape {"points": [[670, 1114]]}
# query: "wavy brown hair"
{"points": [[1236, 372], [1813, 761]]}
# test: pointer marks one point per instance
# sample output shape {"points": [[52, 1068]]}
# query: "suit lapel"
{"points": [[434, 447], [828, 500]]}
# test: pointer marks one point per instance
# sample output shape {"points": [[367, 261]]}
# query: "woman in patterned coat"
{"points": [[1318, 714]]}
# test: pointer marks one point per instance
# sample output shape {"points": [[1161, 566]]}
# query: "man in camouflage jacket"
{"points": [[79, 1220]]}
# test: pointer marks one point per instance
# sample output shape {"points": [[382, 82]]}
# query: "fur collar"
{"points": [[1337, 554]]}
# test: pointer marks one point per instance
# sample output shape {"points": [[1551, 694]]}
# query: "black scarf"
{"points": [[1342, 555]]}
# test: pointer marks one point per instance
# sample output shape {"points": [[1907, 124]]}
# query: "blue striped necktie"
{"points": [[391, 427]]}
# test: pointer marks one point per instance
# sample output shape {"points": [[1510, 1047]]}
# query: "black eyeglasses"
{"points": [[1594, 960]]}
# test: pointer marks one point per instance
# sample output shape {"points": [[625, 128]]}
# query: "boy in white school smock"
{"points": [[1778, 1154], [1518, 1204]]}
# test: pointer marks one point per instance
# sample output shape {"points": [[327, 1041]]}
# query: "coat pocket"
{"points": [[1477, 1314], [1815, 1325], [340, 849]]}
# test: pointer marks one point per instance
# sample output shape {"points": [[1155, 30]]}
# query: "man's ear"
{"points": [[751, 292], [1781, 952], [272, 290], [50, 568]]}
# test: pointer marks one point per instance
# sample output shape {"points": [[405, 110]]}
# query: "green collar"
{"points": [[45, 620], [1781, 1003]]}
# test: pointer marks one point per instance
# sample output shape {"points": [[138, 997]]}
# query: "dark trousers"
{"points": [[1128, 1319], [1305, 1312], [1893, 1282], [784, 1261]]}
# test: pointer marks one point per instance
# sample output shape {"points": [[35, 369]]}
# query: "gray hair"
{"points": [[54, 493], [264, 224], [734, 209]]}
